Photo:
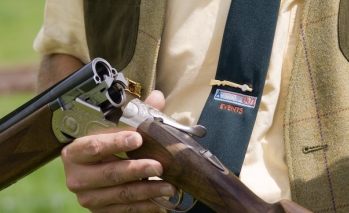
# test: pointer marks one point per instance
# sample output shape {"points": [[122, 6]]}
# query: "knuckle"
{"points": [[93, 147], [112, 175], [126, 196], [73, 184], [66, 155], [84, 201]]}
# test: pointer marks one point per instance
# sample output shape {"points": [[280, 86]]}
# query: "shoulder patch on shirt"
{"points": [[235, 98]]}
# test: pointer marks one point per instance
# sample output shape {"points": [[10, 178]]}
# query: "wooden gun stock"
{"points": [[220, 190], [26, 146]]}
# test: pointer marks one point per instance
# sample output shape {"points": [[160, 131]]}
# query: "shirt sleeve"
{"points": [[63, 30]]}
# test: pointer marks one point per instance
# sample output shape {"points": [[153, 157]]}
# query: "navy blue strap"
{"points": [[230, 113]]}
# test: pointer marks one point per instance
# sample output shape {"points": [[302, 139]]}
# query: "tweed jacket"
{"points": [[317, 109], [316, 119]]}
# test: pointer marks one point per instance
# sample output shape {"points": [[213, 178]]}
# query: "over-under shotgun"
{"points": [[93, 99]]}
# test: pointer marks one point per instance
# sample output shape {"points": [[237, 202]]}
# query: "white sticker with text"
{"points": [[235, 98]]}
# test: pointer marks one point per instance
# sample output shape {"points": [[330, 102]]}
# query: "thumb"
{"points": [[156, 99]]}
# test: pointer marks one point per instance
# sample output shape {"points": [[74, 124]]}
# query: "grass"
{"points": [[10, 102], [20, 22], [44, 190]]}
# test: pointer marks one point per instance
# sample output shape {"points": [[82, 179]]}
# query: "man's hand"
{"points": [[105, 183]]}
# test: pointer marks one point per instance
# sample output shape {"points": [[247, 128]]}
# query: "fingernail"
{"points": [[132, 142], [152, 171], [167, 191], [163, 210]]}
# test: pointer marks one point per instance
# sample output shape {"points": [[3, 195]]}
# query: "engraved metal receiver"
{"points": [[136, 112]]}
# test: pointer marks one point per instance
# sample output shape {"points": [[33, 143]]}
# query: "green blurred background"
{"points": [[44, 190]]}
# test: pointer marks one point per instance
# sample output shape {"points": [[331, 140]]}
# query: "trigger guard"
{"points": [[171, 206]]}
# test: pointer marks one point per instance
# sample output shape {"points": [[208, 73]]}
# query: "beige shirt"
{"points": [[189, 55]]}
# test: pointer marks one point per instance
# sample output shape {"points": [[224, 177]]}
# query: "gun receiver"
{"points": [[92, 100]]}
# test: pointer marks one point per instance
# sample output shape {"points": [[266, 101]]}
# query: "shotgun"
{"points": [[93, 99]]}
